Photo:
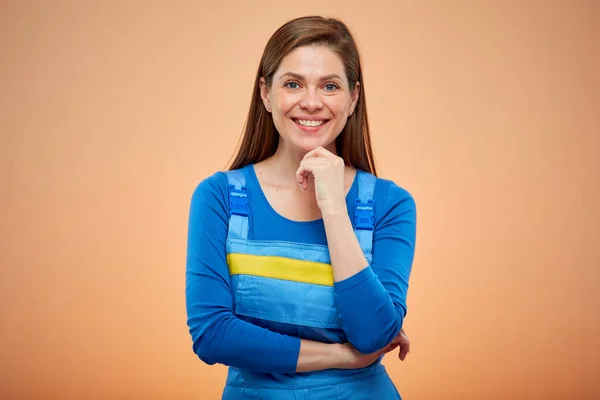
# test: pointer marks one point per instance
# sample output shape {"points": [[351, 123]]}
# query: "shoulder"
{"points": [[388, 191], [211, 186], [214, 189], [217, 183], [392, 199], [394, 192], [211, 194]]}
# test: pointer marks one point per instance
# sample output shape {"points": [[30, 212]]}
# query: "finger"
{"points": [[403, 352], [315, 152], [302, 173], [302, 176], [307, 167], [317, 163], [405, 342], [403, 337], [319, 152], [311, 154]]}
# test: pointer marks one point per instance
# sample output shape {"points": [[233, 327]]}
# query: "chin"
{"points": [[309, 144]]}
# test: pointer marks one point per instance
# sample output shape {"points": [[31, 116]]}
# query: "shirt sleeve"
{"points": [[372, 303], [218, 336]]}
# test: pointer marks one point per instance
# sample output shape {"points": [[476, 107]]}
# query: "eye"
{"points": [[330, 87], [292, 85]]}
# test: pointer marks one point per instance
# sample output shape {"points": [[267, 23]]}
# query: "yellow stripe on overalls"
{"points": [[281, 268]]}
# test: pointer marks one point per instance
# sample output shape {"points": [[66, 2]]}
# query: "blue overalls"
{"points": [[288, 288]]}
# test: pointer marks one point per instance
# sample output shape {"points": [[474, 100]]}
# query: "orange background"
{"points": [[112, 111]]}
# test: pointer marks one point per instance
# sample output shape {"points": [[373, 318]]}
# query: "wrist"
{"points": [[334, 210]]}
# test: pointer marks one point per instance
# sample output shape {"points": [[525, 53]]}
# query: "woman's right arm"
{"points": [[218, 335]]}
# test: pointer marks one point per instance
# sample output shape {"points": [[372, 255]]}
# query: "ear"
{"points": [[354, 97], [264, 93]]}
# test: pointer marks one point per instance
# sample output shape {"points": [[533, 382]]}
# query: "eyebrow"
{"points": [[301, 78]]}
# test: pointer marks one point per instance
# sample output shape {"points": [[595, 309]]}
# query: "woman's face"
{"points": [[310, 98]]}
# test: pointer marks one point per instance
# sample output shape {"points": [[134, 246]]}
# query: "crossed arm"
{"points": [[371, 301]]}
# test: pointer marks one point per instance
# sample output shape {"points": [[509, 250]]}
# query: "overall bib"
{"points": [[287, 287]]}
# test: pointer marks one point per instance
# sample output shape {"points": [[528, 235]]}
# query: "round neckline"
{"points": [[283, 218]]}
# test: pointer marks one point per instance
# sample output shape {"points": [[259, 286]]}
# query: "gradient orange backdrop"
{"points": [[112, 111]]}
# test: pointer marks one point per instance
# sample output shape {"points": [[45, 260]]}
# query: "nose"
{"points": [[311, 101]]}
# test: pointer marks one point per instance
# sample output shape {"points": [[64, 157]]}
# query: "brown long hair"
{"points": [[260, 137]]}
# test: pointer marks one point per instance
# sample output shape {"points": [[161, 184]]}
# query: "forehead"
{"points": [[312, 62]]}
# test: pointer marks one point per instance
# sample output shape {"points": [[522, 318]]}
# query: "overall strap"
{"points": [[238, 204], [364, 212]]}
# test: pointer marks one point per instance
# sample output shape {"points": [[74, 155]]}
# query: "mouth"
{"points": [[310, 125]]}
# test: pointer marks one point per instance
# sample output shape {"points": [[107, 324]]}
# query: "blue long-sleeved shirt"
{"points": [[371, 303]]}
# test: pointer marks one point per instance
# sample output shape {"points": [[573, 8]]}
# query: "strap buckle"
{"points": [[238, 201], [364, 216]]}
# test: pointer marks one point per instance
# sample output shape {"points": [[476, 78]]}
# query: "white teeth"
{"points": [[309, 123]]}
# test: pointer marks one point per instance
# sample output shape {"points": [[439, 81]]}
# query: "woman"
{"points": [[299, 256]]}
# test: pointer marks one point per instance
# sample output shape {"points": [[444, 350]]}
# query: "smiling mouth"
{"points": [[310, 123]]}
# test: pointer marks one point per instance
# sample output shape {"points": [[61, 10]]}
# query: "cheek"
{"points": [[285, 103], [341, 108]]}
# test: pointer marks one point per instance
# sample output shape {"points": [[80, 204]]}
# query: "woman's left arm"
{"points": [[371, 299]]}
